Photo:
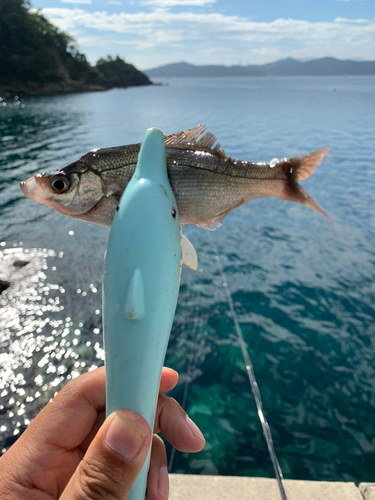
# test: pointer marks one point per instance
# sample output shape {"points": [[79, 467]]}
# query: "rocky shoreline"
{"points": [[57, 88]]}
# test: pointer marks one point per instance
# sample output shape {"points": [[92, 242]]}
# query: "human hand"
{"points": [[71, 452]]}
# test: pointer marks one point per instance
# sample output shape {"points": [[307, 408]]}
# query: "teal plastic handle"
{"points": [[141, 283]]}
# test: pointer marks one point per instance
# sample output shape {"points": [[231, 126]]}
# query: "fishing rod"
{"points": [[252, 379], [251, 375]]}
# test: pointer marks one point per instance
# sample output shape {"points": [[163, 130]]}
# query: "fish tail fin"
{"points": [[298, 169]]}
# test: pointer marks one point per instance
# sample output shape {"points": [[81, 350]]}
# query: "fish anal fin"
{"points": [[211, 225], [215, 222], [197, 138]]}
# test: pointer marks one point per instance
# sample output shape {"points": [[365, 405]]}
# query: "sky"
{"points": [[151, 33]]}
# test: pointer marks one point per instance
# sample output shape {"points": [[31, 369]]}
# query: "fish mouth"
{"points": [[37, 188], [29, 187]]}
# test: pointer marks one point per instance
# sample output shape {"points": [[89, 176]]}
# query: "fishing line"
{"points": [[183, 403], [184, 398], [253, 383], [189, 379]]}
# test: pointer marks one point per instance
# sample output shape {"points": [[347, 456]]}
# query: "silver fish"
{"points": [[206, 183]]}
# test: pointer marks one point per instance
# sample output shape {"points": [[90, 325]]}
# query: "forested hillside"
{"points": [[36, 57], [118, 73]]}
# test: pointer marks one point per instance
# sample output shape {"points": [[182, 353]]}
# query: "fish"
{"points": [[206, 183]]}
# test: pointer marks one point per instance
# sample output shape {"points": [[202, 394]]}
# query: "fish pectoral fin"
{"points": [[214, 223], [188, 254], [116, 196]]}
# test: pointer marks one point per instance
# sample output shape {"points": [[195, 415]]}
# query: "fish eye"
{"points": [[60, 183]]}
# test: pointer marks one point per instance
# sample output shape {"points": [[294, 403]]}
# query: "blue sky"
{"points": [[150, 33]]}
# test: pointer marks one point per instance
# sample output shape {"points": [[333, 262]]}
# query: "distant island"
{"points": [[327, 66], [37, 58]]}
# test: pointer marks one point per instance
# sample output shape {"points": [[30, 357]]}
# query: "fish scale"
{"points": [[206, 183]]}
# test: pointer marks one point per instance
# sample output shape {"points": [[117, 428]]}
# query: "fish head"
{"points": [[73, 190]]}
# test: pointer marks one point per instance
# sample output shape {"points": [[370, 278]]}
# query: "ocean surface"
{"points": [[304, 292]]}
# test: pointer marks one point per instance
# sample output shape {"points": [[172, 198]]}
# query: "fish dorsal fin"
{"points": [[197, 138]]}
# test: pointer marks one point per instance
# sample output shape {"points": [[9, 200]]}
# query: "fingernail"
{"points": [[164, 483], [125, 436], [194, 429]]}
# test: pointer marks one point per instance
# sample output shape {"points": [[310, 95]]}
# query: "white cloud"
{"points": [[114, 2], [160, 36], [355, 21], [76, 1], [174, 3], [205, 25], [352, 0]]}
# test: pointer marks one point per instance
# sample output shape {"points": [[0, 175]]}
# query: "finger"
{"points": [[46, 455], [76, 406], [113, 460], [177, 427], [80, 401], [62, 432], [168, 381], [157, 479], [98, 423]]}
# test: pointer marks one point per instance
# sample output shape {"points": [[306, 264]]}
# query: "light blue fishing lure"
{"points": [[142, 278]]}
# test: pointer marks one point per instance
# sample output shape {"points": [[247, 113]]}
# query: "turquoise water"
{"points": [[304, 292]]}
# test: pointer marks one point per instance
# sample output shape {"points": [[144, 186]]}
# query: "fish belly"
{"points": [[204, 198]]}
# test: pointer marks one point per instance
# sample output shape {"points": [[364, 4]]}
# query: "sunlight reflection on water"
{"points": [[41, 348], [304, 293]]}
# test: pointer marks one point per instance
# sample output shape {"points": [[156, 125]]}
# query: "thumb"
{"points": [[113, 459]]}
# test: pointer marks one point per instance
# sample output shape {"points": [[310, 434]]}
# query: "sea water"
{"points": [[303, 291]]}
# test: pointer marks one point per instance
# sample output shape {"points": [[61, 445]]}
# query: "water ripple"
{"points": [[304, 292]]}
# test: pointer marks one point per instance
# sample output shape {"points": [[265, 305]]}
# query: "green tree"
{"points": [[34, 50], [119, 73]]}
